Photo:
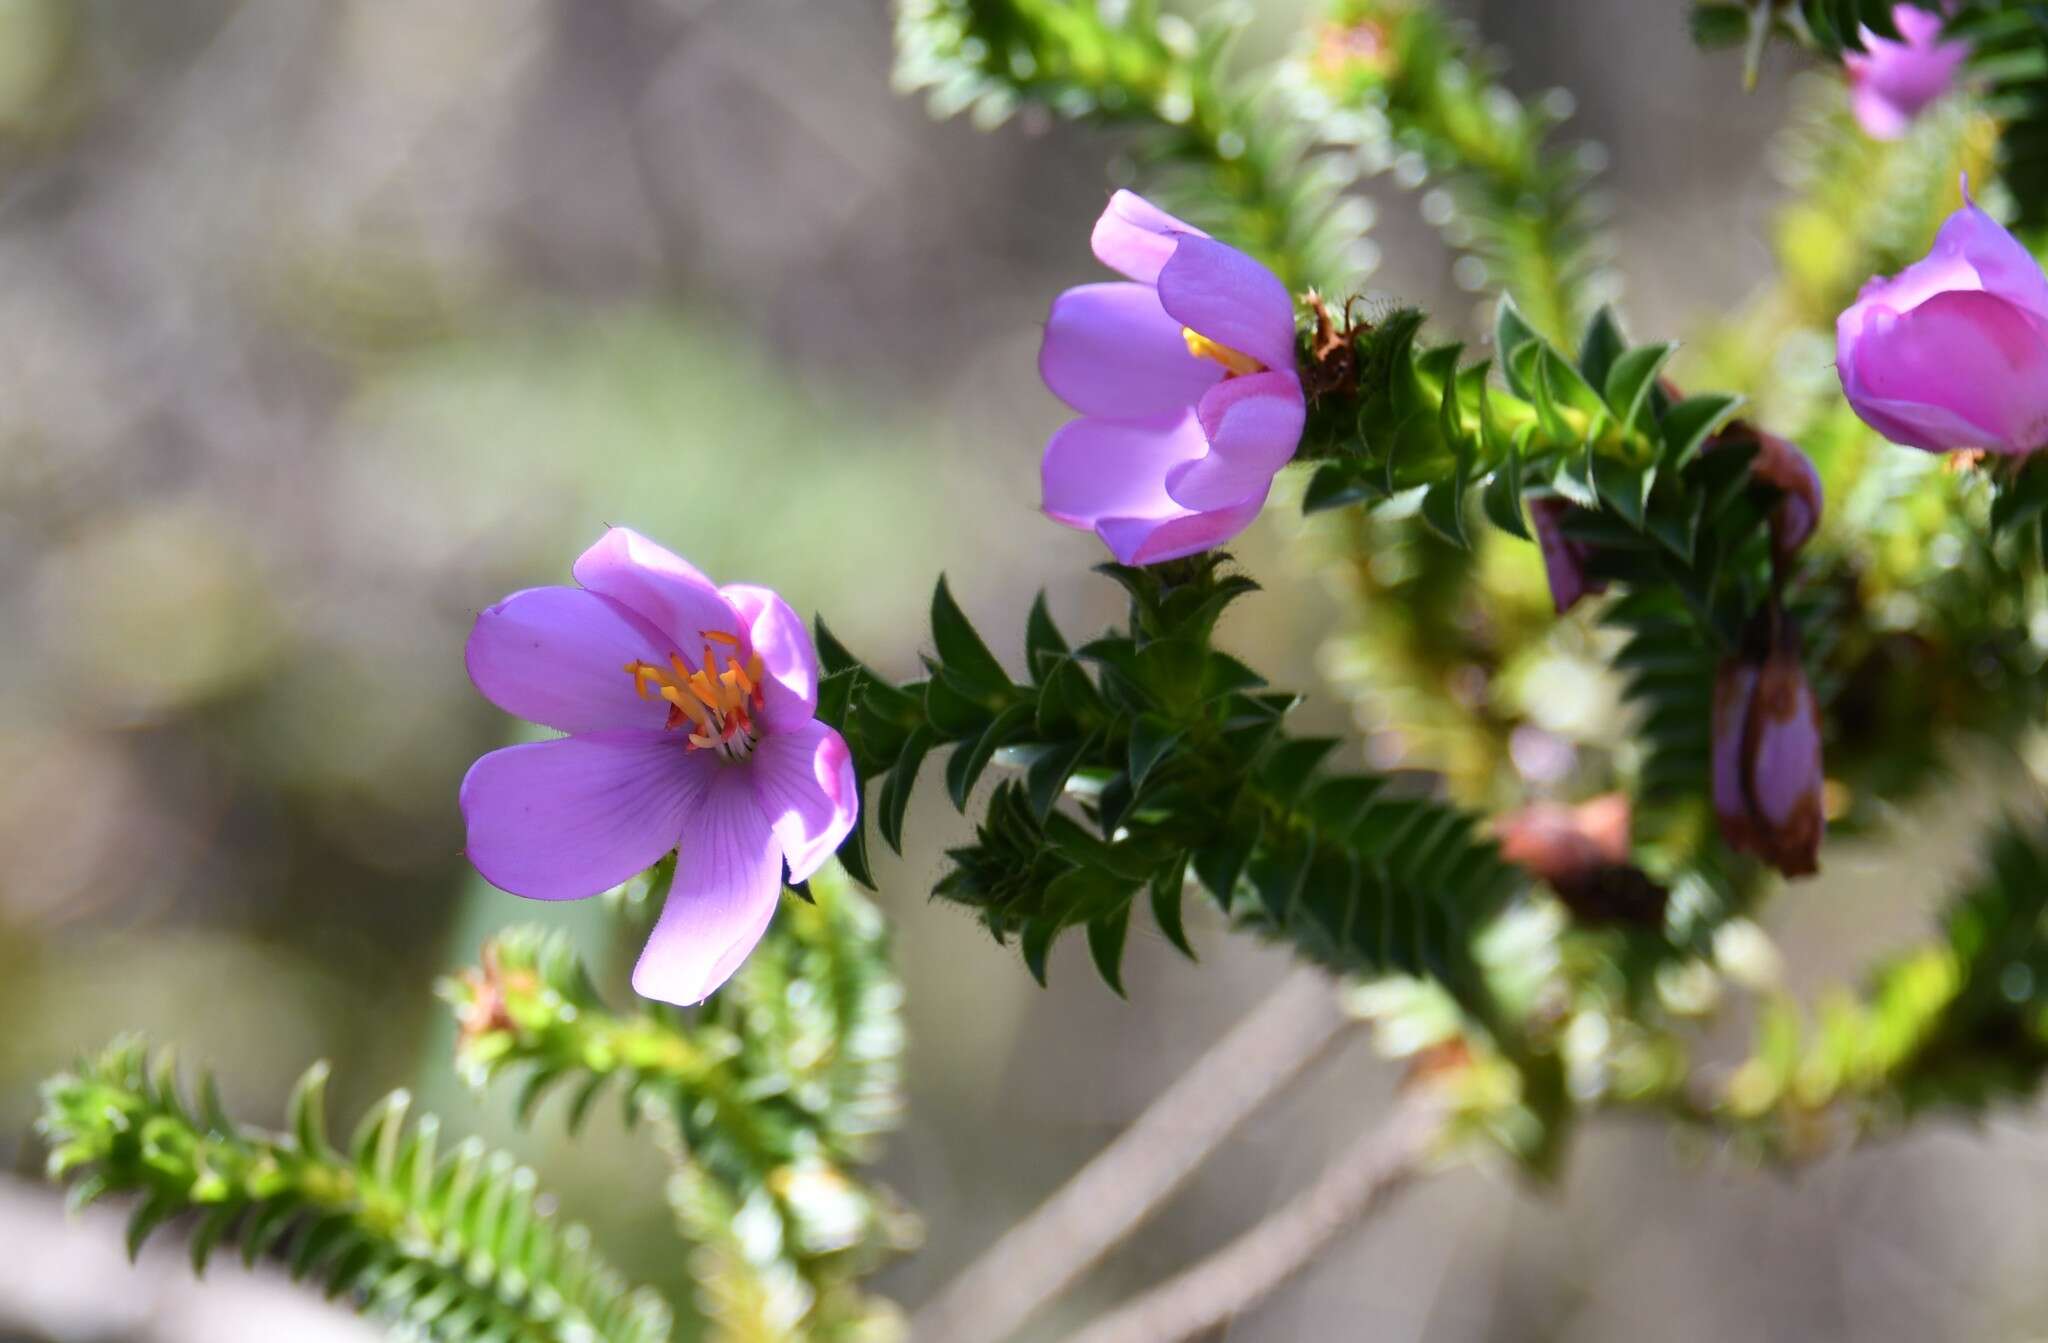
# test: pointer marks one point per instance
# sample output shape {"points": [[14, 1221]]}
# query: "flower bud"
{"points": [[1768, 784], [1785, 468], [1564, 560], [1582, 853]]}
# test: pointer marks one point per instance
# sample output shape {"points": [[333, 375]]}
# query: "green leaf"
{"points": [[1334, 485], [305, 1112], [1068, 697], [1152, 738], [898, 784], [1220, 864], [853, 852], [1170, 670], [832, 655], [1106, 936], [1510, 334], [1602, 346], [1720, 25], [1169, 889], [1277, 876], [1044, 646], [1621, 487], [961, 650], [953, 708], [208, 1234], [1036, 946], [1567, 389], [1224, 675], [1047, 776], [1288, 767], [1687, 424], [1631, 380], [150, 1214], [2022, 495], [971, 758]]}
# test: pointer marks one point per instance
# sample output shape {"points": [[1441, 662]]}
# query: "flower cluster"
{"points": [[690, 709]]}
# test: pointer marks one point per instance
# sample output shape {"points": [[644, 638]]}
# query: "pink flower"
{"points": [[689, 713], [1769, 789], [1185, 380], [1953, 352], [1890, 83]]}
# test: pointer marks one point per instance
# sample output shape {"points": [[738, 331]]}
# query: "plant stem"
{"points": [[1217, 1289], [1129, 1179]]}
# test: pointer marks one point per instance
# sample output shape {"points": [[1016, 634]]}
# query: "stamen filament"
{"points": [[1236, 362], [717, 706]]}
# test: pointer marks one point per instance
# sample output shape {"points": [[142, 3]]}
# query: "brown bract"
{"points": [[490, 985], [1332, 365], [1582, 853]]}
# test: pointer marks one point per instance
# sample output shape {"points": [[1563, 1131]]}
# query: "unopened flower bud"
{"points": [[1768, 783], [1785, 468], [1564, 560]]}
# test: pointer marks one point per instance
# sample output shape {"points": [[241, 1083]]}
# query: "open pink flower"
{"points": [[689, 713], [1890, 83], [1952, 353], [1185, 380]]}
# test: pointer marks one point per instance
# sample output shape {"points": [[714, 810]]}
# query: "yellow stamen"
{"points": [[691, 709], [1236, 361], [713, 703], [720, 636]]}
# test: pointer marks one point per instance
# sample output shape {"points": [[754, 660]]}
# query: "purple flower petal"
{"points": [[1223, 294], [1971, 251], [1111, 350], [1785, 783], [804, 782], [1157, 539], [1734, 688], [659, 585], [1113, 468], [1793, 521], [1135, 238], [1253, 425], [778, 634], [1964, 369], [557, 657], [560, 820], [1564, 560], [1894, 82], [1880, 117], [728, 880], [1786, 770]]}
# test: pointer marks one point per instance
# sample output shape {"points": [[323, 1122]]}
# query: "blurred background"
{"points": [[328, 322]]}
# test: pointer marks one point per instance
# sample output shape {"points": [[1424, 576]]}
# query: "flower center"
{"points": [[1235, 362], [718, 706]]}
